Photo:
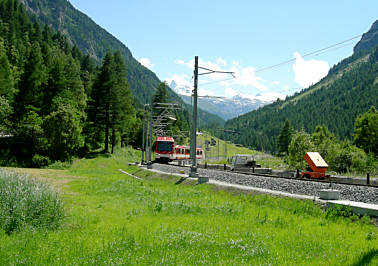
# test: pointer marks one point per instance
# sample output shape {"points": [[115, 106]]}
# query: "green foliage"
{"points": [[341, 156], [349, 89], [299, 145], [6, 78], [45, 86], [111, 100], [29, 203], [366, 131], [284, 138], [63, 131], [5, 113], [337, 211], [160, 96], [368, 40], [39, 161], [117, 219]]}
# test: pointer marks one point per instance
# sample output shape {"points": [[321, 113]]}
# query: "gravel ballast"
{"points": [[294, 186]]}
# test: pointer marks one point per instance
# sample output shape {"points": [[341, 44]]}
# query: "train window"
{"points": [[164, 146]]}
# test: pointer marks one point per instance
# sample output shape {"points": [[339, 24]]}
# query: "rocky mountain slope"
{"points": [[226, 108]]}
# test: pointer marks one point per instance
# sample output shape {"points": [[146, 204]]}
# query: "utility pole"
{"points": [[218, 144], [143, 132], [193, 135], [150, 140]]}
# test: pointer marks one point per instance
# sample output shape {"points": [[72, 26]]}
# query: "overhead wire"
{"points": [[323, 50], [335, 46]]}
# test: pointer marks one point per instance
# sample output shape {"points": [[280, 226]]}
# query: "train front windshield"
{"points": [[165, 146]]}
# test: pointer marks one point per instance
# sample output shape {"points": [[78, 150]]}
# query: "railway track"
{"points": [[311, 187], [353, 181], [327, 180]]}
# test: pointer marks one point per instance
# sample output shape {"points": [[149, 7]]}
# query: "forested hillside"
{"points": [[369, 39], [54, 102], [90, 38], [93, 40], [349, 89]]}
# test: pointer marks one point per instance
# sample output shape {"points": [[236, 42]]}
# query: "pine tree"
{"points": [[101, 96], [6, 79], [30, 94], [161, 96], [284, 138], [122, 111]]}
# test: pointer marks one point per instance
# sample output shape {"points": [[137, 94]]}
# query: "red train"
{"points": [[167, 151]]}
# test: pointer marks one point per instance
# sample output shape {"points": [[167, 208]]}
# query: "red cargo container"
{"points": [[317, 165]]}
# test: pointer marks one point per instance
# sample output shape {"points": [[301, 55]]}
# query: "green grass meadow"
{"points": [[114, 219]]}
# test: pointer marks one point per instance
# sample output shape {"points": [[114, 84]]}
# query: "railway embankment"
{"points": [[363, 194]]}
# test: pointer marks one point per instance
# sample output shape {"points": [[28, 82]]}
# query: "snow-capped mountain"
{"points": [[226, 108]]}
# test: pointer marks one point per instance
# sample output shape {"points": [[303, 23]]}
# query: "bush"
{"points": [[25, 202], [337, 211], [346, 157], [39, 161], [299, 145]]}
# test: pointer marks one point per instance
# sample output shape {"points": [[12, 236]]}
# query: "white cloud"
{"points": [[276, 83], [247, 77], [230, 92], [146, 62], [221, 61], [244, 77], [286, 88], [180, 62], [265, 97], [309, 72], [271, 96], [204, 92], [189, 64], [224, 83], [180, 80]]}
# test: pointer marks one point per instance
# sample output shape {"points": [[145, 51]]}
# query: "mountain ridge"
{"points": [[349, 89], [91, 38], [368, 40], [224, 107]]}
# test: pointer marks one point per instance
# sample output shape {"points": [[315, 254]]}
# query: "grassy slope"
{"points": [[265, 160], [115, 219]]}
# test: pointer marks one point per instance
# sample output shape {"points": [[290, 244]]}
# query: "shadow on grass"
{"points": [[182, 179], [366, 258], [93, 155]]}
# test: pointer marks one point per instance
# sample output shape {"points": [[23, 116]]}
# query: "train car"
{"points": [[180, 153], [199, 154], [165, 149]]}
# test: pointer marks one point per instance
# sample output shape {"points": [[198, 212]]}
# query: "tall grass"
{"points": [[115, 219], [26, 202]]}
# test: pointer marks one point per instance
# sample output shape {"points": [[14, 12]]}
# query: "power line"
{"points": [[308, 54], [212, 82]]}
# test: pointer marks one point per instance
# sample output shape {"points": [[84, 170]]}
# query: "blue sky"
{"points": [[240, 36]]}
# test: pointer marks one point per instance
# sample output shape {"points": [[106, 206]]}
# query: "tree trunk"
{"points": [[113, 138], [106, 149], [122, 139]]}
